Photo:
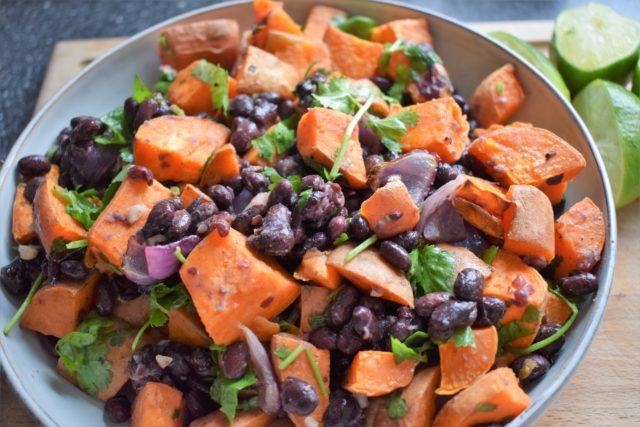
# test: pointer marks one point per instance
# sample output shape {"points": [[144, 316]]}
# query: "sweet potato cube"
{"points": [[523, 154], [442, 128], [109, 234], [50, 218], [22, 227], [176, 148], [528, 224], [229, 284], [556, 311], [375, 373], [270, 15], [302, 370], [464, 258], [264, 328], [251, 418], [411, 30], [319, 20], [352, 56], [190, 193], [185, 327], [261, 71], [313, 301], [497, 97], [579, 237], [223, 165], [135, 311], [298, 51], [372, 274], [314, 268], [320, 133], [390, 210], [55, 309], [482, 204], [158, 404], [554, 192]]}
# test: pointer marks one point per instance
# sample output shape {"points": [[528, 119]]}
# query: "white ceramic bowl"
{"points": [[105, 83]]}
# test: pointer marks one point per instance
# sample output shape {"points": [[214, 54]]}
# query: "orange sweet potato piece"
{"points": [[319, 20], [270, 15], [185, 327], [301, 369], [252, 418], [375, 373], [261, 71], [464, 258], [22, 217], [494, 397], [461, 366], [421, 403], [229, 284], [556, 311], [192, 94], [264, 328], [55, 309], [528, 224], [442, 128], [579, 236], [135, 312], [158, 404], [390, 210], [50, 218], [314, 268], [523, 154], [379, 107], [521, 287], [190, 193], [319, 135], [109, 234], [215, 40], [176, 148], [497, 97], [313, 301], [554, 192], [298, 51], [352, 56], [223, 165], [372, 274], [411, 30]]}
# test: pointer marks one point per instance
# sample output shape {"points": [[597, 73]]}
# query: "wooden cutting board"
{"points": [[605, 390]]}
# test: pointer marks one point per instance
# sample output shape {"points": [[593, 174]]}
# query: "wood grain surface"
{"points": [[605, 390]]}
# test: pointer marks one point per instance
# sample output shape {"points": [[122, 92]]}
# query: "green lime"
{"points": [[534, 57], [612, 115], [636, 79], [594, 42]]}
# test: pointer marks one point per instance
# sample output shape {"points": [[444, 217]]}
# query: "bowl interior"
{"points": [[467, 56]]}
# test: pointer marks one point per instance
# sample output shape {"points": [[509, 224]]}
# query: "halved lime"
{"points": [[636, 79], [612, 115], [534, 57], [594, 42]]}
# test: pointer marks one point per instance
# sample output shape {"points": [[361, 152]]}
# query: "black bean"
{"points": [[218, 222], [130, 107], [343, 411], [305, 87], [73, 270], [48, 344], [275, 237], [180, 224], [290, 165], [31, 187], [392, 156], [316, 240], [472, 164], [578, 284], [127, 290], [264, 113], [546, 330], [368, 138], [349, 342], [401, 329], [159, 218], [14, 277], [118, 409], [449, 315], [490, 311], [555, 180], [365, 324], [143, 367], [408, 240], [396, 255], [141, 173], [318, 78], [323, 337], [34, 165], [222, 195], [281, 193], [336, 226], [243, 133], [530, 367], [285, 109], [203, 211], [235, 184], [447, 172], [241, 105], [198, 404], [270, 96], [105, 296], [468, 285], [254, 181], [342, 306], [461, 103], [84, 128], [200, 361], [179, 368], [242, 221], [298, 397], [234, 360], [384, 83], [145, 112], [358, 228], [315, 182], [376, 305], [372, 160]]}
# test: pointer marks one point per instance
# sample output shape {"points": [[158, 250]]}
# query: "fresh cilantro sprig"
{"points": [[490, 254], [218, 80], [83, 206], [167, 76], [225, 392], [515, 329], [369, 241], [391, 128], [413, 348], [23, 307], [114, 120], [359, 26], [77, 244], [140, 91], [485, 407], [396, 406], [277, 140], [463, 337], [431, 270]]}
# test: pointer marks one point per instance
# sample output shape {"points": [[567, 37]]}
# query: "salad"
{"points": [[304, 227]]}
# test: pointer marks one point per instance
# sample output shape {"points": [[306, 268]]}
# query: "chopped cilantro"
{"points": [[83, 206], [175, 190], [217, 79], [391, 128], [303, 197], [277, 140], [396, 406], [431, 270], [316, 371], [291, 357], [341, 239], [404, 76], [114, 185], [179, 255], [140, 91], [317, 321], [359, 26], [176, 414], [515, 329], [126, 155], [225, 392], [114, 120], [23, 307], [336, 94], [463, 337], [408, 350], [500, 88], [167, 76], [282, 352], [177, 110], [162, 42], [490, 254], [77, 244], [485, 407], [288, 327], [369, 241]]}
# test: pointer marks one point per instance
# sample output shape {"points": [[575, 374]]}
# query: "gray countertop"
{"points": [[30, 28]]}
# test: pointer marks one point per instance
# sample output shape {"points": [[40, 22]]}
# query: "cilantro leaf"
{"points": [[359, 26], [485, 407], [391, 128], [515, 329], [405, 351], [276, 141], [225, 392], [288, 327], [77, 244], [114, 120], [167, 76], [126, 155], [335, 95], [341, 239], [282, 352], [140, 91], [83, 353], [490, 254], [304, 196], [164, 45], [81, 206], [463, 337], [218, 80], [396, 406], [114, 185], [431, 270]]}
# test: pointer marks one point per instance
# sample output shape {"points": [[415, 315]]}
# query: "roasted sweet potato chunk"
{"points": [[412, 30], [185, 327], [497, 97], [190, 193], [354, 57], [22, 227], [375, 373], [261, 71], [313, 301], [158, 404], [223, 165], [319, 20], [314, 268], [390, 210]]}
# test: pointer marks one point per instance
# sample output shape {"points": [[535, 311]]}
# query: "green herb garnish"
{"points": [[23, 307], [463, 337], [408, 350], [396, 406], [431, 270], [485, 407], [341, 239], [277, 140], [515, 329], [291, 357], [83, 206], [359, 26], [77, 244], [371, 240], [218, 80], [225, 392], [490, 254], [140, 91], [391, 128]]}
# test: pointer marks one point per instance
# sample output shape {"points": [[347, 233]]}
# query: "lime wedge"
{"points": [[534, 57], [612, 115], [636, 79], [594, 42]]}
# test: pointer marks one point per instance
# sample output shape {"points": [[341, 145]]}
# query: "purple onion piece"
{"points": [[439, 221], [134, 264], [417, 170], [268, 393], [161, 260]]}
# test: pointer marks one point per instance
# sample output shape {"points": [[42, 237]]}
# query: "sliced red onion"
{"points": [[439, 221], [417, 170], [161, 259], [134, 264], [268, 393]]}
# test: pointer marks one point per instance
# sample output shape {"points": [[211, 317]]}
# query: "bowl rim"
{"points": [[606, 268]]}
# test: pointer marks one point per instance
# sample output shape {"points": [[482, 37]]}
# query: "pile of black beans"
{"points": [[135, 114], [18, 276], [306, 88], [252, 116]]}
